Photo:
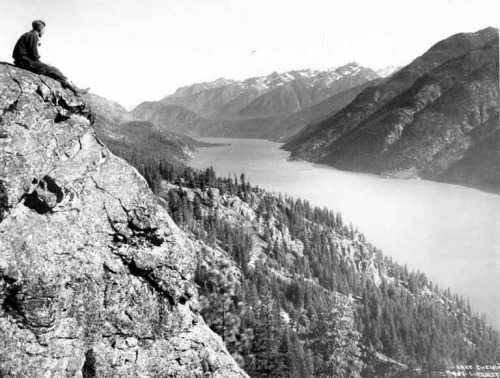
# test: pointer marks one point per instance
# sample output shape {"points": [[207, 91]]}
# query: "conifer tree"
{"points": [[335, 340]]}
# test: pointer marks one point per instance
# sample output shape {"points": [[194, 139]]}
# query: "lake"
{"points": [[449, 232]]}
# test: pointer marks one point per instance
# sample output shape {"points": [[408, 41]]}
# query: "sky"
{"points": [[131, 51]]}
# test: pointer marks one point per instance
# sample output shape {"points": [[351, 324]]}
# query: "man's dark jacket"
{"points": [[27, 47]]}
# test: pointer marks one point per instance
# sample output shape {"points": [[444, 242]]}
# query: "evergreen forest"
{"points": [[300, 293]]}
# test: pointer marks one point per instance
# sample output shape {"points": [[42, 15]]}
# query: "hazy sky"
{"points": [[135, 50]]}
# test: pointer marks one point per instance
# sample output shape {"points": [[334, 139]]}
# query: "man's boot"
{"points": [[77, 91]]}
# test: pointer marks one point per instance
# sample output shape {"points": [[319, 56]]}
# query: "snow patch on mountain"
{"points": [[310, 78], [388, 71]]}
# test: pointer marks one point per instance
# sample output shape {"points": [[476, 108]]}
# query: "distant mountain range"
{"points": [[271, 95], [435, 118], [249, 108]]}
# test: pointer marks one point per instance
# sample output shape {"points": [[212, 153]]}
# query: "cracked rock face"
{"points": [[95, 279]]}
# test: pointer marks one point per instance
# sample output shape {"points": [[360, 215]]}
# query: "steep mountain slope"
{"points": [[108, 110], [296, 292], [120, 129], [190, 90], [483, 152], [95, 278], [227, 108], [169, 117], [297, 92], [174, 118], [285, 128], [208, 102], [388, 71], [271, 95], [425, 129], [285, 99], [314, 143], [429, 128]]}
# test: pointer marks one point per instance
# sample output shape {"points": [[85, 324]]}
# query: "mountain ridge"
{"points": [[248, 108], [233, 97], [348, 140], [120, 129], [285, 128]]}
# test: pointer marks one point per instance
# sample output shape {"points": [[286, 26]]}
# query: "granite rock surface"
{"points": [[95, 278]]}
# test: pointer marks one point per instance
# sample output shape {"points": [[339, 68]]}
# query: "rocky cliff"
{"points": [[95, 278]]}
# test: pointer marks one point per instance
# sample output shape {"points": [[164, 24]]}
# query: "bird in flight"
{"points": [[253, 52]]}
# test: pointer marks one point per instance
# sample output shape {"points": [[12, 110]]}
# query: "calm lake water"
{"points": [[450, 232]]}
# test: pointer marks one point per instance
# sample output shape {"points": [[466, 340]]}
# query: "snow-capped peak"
{"points": [[307, 73], [388, 71], [199, 87], [352, 68], [310, 78]]}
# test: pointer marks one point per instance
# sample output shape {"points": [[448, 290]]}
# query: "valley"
{"points": [[435, 118], [321, 200]]}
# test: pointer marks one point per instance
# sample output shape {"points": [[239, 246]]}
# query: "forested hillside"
{"points": [[285, 128], [436, 118], [116, 126], [296, 292]]}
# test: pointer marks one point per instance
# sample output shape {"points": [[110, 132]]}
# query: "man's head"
{"points": [[38, 26]]}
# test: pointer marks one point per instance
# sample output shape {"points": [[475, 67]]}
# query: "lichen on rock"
{"points": [[95, 278]]}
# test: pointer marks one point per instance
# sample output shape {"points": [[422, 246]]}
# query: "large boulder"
{"points": [[95, 278]]}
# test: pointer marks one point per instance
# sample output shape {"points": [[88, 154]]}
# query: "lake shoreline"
{"points": [[384, 175], [448, 231]]}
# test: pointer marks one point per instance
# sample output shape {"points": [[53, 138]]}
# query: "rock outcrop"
{"points": [[95, 278]]}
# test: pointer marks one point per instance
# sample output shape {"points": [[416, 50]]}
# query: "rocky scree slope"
{"points": [[314, 143], [95, 278]]}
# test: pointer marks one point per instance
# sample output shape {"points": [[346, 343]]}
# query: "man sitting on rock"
{"points": [[26, 56]]}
